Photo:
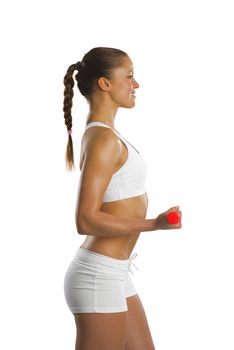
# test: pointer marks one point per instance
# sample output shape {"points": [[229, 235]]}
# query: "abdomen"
{"points": [[119, 247]]}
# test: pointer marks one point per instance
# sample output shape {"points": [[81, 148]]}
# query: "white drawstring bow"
{"points": [[131, 263]]}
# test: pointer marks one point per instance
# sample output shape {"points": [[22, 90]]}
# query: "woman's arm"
{"points": [[103, 224]]}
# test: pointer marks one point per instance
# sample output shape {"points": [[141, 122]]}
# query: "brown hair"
{"points": [[98, 62]]}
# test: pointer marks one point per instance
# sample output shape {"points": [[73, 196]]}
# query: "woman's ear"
{"points": [[104, 84]]}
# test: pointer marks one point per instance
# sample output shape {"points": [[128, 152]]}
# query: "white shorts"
{"points": [[98, 283]]}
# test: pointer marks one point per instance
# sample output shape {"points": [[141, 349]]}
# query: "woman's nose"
{"points": [[135, 84]]}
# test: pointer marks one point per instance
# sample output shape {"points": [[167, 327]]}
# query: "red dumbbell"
{"points": [[173, 218]]}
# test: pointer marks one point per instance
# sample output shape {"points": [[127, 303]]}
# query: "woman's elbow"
{"points": [[80, 226]]}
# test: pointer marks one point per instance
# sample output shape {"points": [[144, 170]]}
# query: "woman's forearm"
{"points": [[103, 224]]}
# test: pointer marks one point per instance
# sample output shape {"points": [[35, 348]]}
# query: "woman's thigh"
{"points": [[101, 331], [138, 331]]}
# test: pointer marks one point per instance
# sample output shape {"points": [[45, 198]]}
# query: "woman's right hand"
{"points": [[161, 222]]}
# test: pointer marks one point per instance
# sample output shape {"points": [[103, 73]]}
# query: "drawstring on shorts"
{"points": [[131, 263]]}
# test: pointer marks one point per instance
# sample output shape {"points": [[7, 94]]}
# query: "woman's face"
{"points": [[123, 85]]}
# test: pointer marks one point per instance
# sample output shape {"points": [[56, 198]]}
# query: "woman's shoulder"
{"points": [[98, 136], [99, 142]]}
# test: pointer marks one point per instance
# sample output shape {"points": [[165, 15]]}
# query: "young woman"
{"points": [[111, 209]]}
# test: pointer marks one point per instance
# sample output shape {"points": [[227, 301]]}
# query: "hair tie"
{"points": [[69, 132], [78, 65]]}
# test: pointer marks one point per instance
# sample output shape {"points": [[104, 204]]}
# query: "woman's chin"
{"points": [[128, 104], [131, 104]]}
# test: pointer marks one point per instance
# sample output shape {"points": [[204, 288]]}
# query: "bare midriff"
{"points": [[119, 247]]}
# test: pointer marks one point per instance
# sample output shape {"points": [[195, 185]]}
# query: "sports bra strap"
{"points": [[97, 124], [89, 125]]}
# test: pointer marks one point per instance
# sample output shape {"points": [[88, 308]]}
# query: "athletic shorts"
{"points": [[97, 283]]}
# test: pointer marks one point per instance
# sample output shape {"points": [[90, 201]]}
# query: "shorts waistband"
{"points": [[94, 257], [101, 257]]}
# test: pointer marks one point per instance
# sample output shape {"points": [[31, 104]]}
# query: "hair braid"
{"points": [[67, 106]]}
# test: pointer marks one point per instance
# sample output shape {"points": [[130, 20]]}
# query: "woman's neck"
{"points": [[102, 111]]}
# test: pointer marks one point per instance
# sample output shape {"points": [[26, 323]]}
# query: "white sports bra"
{"points": [[129, 180]]}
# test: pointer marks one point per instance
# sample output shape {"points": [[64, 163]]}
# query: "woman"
{"points": [[111, 209]]}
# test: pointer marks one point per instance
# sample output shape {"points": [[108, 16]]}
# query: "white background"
{"points": [[183, 58]]}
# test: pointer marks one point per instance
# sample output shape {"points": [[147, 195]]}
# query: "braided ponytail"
{"points": [[67, 106]]}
